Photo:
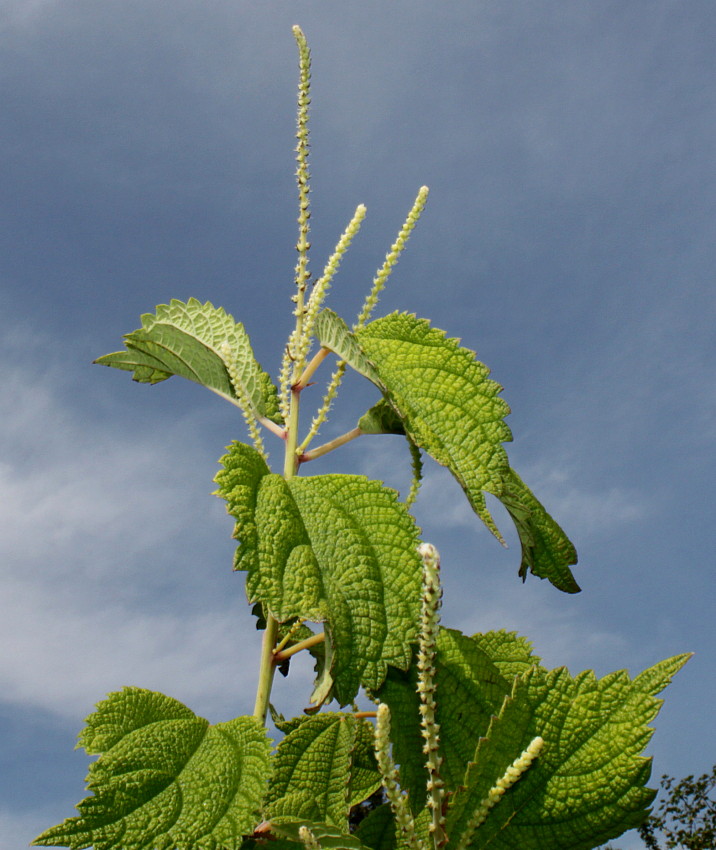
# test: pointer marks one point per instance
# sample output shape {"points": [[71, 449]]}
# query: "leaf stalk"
{"points": [[283, 654]]}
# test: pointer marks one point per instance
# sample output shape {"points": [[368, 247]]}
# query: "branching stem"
{"points": [[331, 445], [308, 372], [283, 654]]}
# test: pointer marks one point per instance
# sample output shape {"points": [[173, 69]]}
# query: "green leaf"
{"points": [[448, 405], [313, 770], [378, 830], [335, 548], [334, 333], [587, 785], [508, 651], [327, 835], [166, 778], [365, 778], [381, 419], [546, 550], [470, 689], [186, 339]]}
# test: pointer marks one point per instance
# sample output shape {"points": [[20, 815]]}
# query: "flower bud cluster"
{"points": [[511, 775], [302, 173], [427, 647], [393, 256], [323, 284], [389, 775], [232, 367], [310, 842]]}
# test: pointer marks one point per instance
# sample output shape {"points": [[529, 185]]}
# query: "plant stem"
{"points": [[332, 444], [266, 670], [316, 361], [283, 654]]}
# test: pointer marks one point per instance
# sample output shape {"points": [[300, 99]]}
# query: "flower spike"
{"points": [[430, 729], [511, 775], [389, 775], [392, 257]]}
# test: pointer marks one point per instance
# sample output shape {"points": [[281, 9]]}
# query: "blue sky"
{"points": [[146, 154]]}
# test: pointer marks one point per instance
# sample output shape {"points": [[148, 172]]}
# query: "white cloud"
{"points": [[89, 536], [579, 510]]}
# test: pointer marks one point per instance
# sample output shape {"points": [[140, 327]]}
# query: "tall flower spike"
{"points": [[430, 729], [392, 257], [288, 364], [328, 398], [511, 775], [389, 775], [320, 290], [229, 358]]}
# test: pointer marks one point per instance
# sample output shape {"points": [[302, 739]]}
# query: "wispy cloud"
{"points": [[95, 594]]}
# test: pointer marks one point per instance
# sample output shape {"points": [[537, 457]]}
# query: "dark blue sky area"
{"points": [[146, 153]]}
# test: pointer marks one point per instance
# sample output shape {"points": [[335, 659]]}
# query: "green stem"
{"points": [[267, 668], [278, 657], [332, 444], [308, 372], [266, 671]]}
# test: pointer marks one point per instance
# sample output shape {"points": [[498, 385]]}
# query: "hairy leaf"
{"points": [[448, 405], [186, 339], [313, 771], [587, 785], [335, 548], [546, 550], [166, 778], [470, 689], [508, 651]]}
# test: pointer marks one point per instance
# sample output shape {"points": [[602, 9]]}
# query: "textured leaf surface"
{"points": [[509, 652], [365, 778], [448, 405], [381, 419], [378, 830], [470, 689], [312, 772], [335, 334], [166, 778], [546, 550], [186, 339], [335, 548], [587, 785]]}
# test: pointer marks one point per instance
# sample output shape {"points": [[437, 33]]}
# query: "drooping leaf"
{"points": [[186, 339], [313, 771], [448, 405], [470, 689], [546, 550], [166, 778], [587, 785], [335, 548], [327, 835], [381, 419]]}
